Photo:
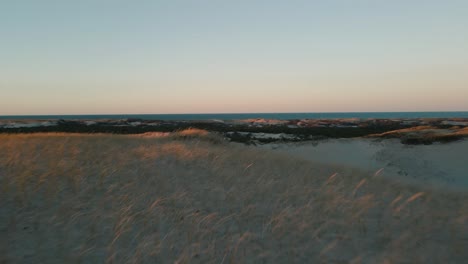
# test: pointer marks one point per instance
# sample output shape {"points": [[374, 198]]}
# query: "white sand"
{"points": [[436, 165]]}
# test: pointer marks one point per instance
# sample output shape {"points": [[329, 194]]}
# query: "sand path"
{"points": [[437, 165]]}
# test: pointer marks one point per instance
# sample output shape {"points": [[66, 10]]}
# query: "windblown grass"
{"points": [[71, 198], [425, 134]]}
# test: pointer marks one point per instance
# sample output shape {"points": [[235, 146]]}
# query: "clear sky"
{"points": [[200, 56]]}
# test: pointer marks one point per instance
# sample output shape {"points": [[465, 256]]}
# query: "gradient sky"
{"points": [[109, 57]]}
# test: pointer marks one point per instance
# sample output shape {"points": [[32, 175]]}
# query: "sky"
{"points": [[201, 56]]}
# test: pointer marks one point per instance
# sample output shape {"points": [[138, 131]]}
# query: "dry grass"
{"points": [[181, 198], [424, 131], [411, 129], [462, 131]]}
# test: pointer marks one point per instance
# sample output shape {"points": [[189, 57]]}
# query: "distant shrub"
{"points": [[195, 133]]}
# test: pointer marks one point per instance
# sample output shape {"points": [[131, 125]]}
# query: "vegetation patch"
{"points": [[73, 198]]}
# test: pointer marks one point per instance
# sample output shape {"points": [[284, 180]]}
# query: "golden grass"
{"points": [[462, 132], [425, 134], [190, 198], [418, 130], [195, 132]]}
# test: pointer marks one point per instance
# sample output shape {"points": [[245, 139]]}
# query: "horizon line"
{"points": [[235, 113]]}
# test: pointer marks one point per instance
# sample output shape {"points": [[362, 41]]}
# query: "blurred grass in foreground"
{"points": [[190, 197]]}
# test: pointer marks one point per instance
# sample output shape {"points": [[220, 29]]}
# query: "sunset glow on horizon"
{"points": [[162, 57]]}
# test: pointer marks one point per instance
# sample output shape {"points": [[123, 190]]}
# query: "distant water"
{"points": [[280, 116]]}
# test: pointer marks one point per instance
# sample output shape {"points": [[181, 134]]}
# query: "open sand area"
{"points": [[439, 165]]}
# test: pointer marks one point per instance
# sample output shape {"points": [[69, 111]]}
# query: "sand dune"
{"points": [[191, 197]]}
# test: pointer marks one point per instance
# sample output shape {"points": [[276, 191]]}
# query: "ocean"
{"points": [[236, 116]]}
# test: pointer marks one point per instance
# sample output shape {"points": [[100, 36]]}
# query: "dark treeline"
{"points": [[301, 133], [79, 127]]}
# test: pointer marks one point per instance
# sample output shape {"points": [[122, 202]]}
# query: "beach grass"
{"points": [[191, 197]]}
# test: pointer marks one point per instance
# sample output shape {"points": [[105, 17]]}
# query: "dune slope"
{"points": [[191, 197]]}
